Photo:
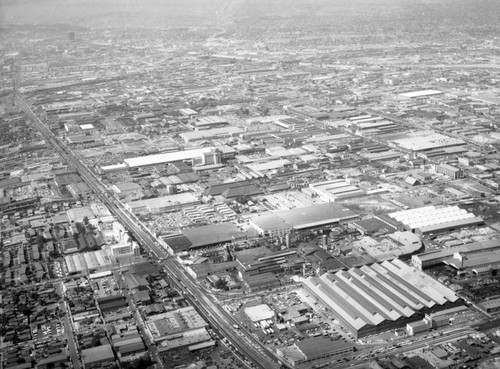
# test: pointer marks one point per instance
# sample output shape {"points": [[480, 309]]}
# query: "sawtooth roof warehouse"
{"points": [[380, 297]]}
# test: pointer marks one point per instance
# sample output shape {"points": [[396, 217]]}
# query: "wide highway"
{"points": [[211, 311]]}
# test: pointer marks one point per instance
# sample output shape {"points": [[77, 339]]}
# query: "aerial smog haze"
{"points": [[249, 184]]}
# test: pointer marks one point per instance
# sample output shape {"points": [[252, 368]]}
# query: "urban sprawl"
{"points": [[268, 193]]}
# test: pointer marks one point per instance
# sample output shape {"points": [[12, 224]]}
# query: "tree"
{"points": [[139, 363], [23, 309], [54, 254], [242, 199], [220, 284]]}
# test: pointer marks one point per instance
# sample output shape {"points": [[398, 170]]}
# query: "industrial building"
{"points": [[210, 122], [375, 127], [232, 190], [204, 237], [427, 141], [131, 189], [169, 325], [372, 226], [84, 262], [210, 134], [376, 298], [431, 219], [432, 258], [259, 313], [162, 204], [450, 171], [262, 272], [335, 190], [279, 223], [271, 165], [491, 305], [203, 156], [421, 94], [307, 352]]}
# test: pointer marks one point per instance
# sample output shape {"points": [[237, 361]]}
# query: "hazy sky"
{"points": [[164, 13]]}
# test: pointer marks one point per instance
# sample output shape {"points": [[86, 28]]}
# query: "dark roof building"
{"points": [[200, 237], [306, 352], [233, 189]]}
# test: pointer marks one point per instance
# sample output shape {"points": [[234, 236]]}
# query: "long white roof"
{"points": [[382, 292], [168, 157], [430, 216]]}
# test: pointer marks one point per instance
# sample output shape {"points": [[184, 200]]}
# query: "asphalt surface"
{"points": [[70, 336]]}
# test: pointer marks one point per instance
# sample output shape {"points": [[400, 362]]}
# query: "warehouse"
{"points": [[85, 262], [304, 353], [213, 235], [162, 204], [427, 141], [335, 190], [203, 156], [214, 133], [380, 297], [306, 218], [431, 219], [421, 94], [259, 313], [432, 258], [268, 166], [175, 324], [210, 122]]}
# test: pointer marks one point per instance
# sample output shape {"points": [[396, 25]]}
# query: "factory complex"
{"points": [[379, 297], [431, 219], [279, 223]]}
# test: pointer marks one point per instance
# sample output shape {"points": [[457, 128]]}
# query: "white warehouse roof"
{"points": [[168, 157], [428, 217]]}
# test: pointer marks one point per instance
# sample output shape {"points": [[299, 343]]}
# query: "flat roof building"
{"points": [[336, 189], [98, 354], [259, 312], [163, 203], [315, 216], [209, 122], [431, 258], [421, 94], [204, 134], [426, 141], [195, 156], [305, 353], [171, 324]]}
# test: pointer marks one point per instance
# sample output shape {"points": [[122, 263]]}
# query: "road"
{"points": [[416, 345], [138, 319], [68, 330], [218, 317]]}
